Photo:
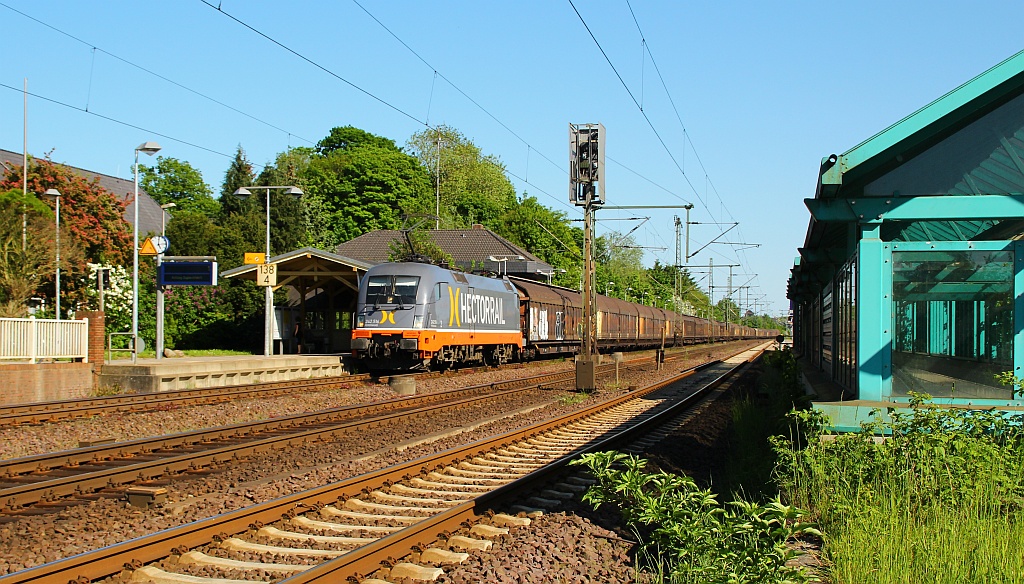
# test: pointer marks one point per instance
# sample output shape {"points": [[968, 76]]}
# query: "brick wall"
{"points": [[25, 382]]}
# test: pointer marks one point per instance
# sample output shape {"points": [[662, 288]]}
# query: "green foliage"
{"points": [[92, 229], [23, 268], [359, 189], [934, 471], [687, 534], [473, 187], [239, 174], [417, 246], [178, 182], [197, 316], [349, 137], [547, 234]]}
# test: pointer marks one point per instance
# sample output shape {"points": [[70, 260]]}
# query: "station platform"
{"points": [[155, 375]]}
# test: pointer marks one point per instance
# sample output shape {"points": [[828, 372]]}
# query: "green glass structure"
{"points": [[911, 274]]}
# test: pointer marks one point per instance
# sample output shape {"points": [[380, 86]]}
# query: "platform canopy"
{"points": [[309, 268]]}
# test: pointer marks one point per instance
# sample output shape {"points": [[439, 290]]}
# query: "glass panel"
{"points": [[952, 322], [377, 289], [978, 159], [405, 289]]}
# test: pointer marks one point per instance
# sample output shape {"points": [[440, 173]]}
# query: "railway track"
{"points": [[52, 481], [55, 411], [347, 529]]}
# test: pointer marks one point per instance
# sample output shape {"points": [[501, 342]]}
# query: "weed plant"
{"points": [[933, 495], [686, 535]]}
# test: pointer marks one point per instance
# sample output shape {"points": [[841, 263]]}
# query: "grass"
{"points": [[150, 354], [938, 502], [938, 544]]}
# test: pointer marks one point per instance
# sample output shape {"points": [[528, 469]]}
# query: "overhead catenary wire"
{"points": [[95, 49], [124, 123]]}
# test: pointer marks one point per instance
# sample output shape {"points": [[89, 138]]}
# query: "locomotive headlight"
{"points": [[360, 320], [417, 321]]}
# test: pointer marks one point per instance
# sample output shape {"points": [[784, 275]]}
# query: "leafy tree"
{"points": [[176, 181], [473, 187], [287, 220], [360, 188], [23, 268], [548, 235], [349, 137], [239, 174], [92, 224]]}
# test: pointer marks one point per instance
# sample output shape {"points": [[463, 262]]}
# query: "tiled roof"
{"points": [[470, 248], [149, 209]]}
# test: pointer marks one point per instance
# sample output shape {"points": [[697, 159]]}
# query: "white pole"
{"points": [[24, 177], [58, 257], [268, 326], [135, 264]]}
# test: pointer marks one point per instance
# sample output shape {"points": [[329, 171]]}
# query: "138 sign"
{"points": [[266, 275]]}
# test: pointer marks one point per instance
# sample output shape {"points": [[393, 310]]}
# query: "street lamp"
{"points": [[55, 194], [268, 324], [150, 148], [159, 288], [607, 287]]}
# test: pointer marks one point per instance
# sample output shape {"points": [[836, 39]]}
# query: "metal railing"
{"points": [[34, 339]]}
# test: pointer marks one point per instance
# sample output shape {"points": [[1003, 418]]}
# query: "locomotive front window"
{"points": [[405, 288], [378, 288], [392, 289]]}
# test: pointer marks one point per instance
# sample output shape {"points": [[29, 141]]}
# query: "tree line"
{"points": [[353, 182]]}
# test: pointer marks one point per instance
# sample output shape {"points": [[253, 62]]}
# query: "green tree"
{"points": [[473, 187], [239, 174], [176, 181], [360, 187], [92, 223], [23, 268], [287, 216], [548, 235], [349, 137]]}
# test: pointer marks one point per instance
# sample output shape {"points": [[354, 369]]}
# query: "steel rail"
{"points": [[111, 559], [152, 464], [56, 410]]}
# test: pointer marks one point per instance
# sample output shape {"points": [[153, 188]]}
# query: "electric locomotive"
{"points": [[413, 316]]}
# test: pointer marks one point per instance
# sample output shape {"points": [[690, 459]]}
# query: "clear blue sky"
{"points": [[763, 90]]}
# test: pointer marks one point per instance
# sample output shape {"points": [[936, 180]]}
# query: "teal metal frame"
{"points": [[874, 313]]}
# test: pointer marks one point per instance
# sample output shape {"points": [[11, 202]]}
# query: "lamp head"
{"points": [[149, 148], [52, 193], [294, 191], [168, 206], [241, 192]]}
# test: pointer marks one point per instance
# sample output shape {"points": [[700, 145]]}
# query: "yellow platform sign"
{"points": [[255, 258]]}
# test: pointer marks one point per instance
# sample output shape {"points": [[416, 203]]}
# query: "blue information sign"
{"points": [[187, 274]]}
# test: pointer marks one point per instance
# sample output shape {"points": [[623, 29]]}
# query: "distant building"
{"points": [[149, 210], [473, 250]]}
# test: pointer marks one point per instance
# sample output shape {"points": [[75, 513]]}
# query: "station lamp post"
{"points": [[149, 148], [268, 324], [55, 194], [607, 287]]}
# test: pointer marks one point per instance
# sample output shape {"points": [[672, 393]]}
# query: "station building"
{"points": [[911, 275]]}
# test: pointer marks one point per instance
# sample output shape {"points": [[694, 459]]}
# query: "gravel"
{"points": [[30, 540]]}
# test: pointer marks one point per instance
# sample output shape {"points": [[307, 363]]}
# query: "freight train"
{"points": [[413, 316]]}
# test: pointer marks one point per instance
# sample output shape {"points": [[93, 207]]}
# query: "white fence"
{"points": [[34, 339]]}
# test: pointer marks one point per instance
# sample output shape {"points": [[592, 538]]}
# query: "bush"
{"points": [[687, 535]]}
